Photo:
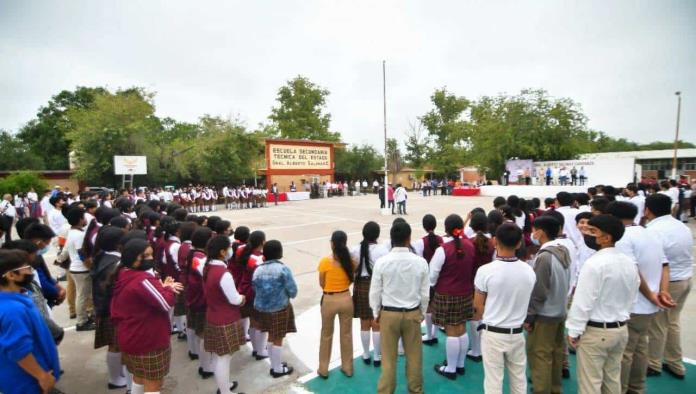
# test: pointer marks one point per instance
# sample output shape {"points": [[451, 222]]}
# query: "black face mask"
{"points": [[591, 242], [26, 280], [146, 264]]}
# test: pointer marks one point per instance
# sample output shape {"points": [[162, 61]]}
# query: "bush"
{"points": [[22, 182]]}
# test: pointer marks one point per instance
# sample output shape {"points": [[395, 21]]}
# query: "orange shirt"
{"points": [[336, 279]]}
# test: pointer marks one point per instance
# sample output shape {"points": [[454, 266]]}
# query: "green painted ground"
{"points": [[365, 378]]}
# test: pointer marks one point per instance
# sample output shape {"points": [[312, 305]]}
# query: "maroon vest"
{"points": [[195, 295], [457, 274], [219, 311], [183, 254], [427, 252], [169, 268]]}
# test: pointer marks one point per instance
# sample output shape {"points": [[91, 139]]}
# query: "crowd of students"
{"points": [[139, 272]]}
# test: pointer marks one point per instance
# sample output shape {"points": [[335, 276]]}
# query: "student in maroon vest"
{"points": [[161, 243], [240, 273], [171, 268], [452, 274], [250, 256], [223, 330], [425, 247], [195, 299], [140, 308], [186, 231], [484, 249]]}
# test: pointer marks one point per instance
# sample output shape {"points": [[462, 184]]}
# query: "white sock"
{"points": [[452, 354], [245, 327], [276, 363], [401, 346], [463, 348], [191, 341], [180, 322], [474, 338], [428, 326], [262, 339], [113, 363], [365, 339], [252, 338], [222, 372], [204, 358], [137, 389], [129, 378], [152, 392], [377, 345]]}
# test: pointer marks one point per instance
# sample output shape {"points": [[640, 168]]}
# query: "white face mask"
{"points": [[534, 240]]}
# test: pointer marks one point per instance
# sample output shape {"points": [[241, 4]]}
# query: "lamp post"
{"points": [[676, 137]]}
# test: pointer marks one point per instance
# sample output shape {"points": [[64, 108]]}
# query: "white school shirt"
{"points": [[56, 220], [46, 206], [508, 286], [569, 226], [606, 290], [376, 251], [33, 197], [400, 280], [639, 202], [7, 208], [174, 250], [73, 244], [677, 245], [640, 246]]}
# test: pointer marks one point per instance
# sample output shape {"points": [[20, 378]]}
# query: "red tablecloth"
{"points": [[466, 191], [281, 197]]}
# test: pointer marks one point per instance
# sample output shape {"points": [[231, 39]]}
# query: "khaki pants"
{"points": [[83, 293], [340, 304], [407, 326], [634, 364], [664, 333], [545, 354], [71, 293], [501, 352], [599, 360]]}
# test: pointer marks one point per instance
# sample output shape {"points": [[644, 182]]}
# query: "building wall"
{"points": [[284, 181]]}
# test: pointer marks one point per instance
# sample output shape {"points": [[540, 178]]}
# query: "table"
{"points": [[466, 191]]}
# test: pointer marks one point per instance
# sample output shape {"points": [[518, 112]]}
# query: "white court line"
{"points": [[300, 225]]}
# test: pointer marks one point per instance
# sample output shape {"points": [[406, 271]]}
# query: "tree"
{"points": [[417, 146], [46, 135], [300, 111], [22, 182], [358, 162], [394, 159], [15, 155], [448, 126]]}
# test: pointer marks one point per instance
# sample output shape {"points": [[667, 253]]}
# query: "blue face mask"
{"points": [[534, 240], [43, 250]]}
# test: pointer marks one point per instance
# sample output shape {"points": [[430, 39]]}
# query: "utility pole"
{"points": [[676, 137]]}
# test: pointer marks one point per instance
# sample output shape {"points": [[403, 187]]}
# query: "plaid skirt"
{"points": [[180, 305], [247, 309], [150, 366], [451, 309], [361, 299], [195, 320], [225, 339], [277, 324], [105, 333]]}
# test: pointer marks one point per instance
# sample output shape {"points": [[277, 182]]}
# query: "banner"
{"points": [[519, 170], [130, 165], [285, 157]]}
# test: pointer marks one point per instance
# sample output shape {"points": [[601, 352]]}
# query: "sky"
{"points": [[621, 60]]}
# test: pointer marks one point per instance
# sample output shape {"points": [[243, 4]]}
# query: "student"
{"points": [[607, 275], [399, 295], [452, 276], [28, 356], [223, 330], [390, 198], [400, 196], [140, 308], [7, 216], [171, 268], [105, 264], [366, 254], [79, 271], [41, 235], [336, 273], [503, 289], [677, 244], [249, 257], [425, 248], [484, 249], [241, 274], [185, 232], [547, 309], [274, 285]]}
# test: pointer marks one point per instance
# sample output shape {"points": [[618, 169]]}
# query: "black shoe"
{"points": [[566, 373], [476, 359], [672, 372], [203, 374], [259, 358], [287, 370], [182, 336], [88, 326], [430, 342], [367, 361], [175, 332], [193, 356], [377, 363], [653, 372], [73, 316], [325, 377], [440, 371], [116, 387], [571, 350], [234, 386], [346, 373], [460, 371]]}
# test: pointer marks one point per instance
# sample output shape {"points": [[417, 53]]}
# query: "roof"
{"points": [[643, 154]]}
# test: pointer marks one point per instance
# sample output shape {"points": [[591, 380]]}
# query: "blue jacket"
{"points": [[273, 285], [23, 331]]}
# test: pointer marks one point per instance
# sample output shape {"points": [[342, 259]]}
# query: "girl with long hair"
{"points": [[484, 249], [249, 257], [425, 247]]}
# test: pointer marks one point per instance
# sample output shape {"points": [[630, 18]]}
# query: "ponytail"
{"points": [[429, 224], [341, 253], [256, 239], [453, 226], [370, 234]]}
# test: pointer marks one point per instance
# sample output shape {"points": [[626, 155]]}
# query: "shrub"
{"points": [[21, 182]]}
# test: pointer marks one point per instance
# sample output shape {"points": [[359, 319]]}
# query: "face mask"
{"points": [[43, 250], [534, 240], [26, 280], [147, 264], [591, 241]]}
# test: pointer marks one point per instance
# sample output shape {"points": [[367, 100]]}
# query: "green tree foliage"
{"points": [[395, 161], [449, 129], [46, 135], [417, 146], [357, 162], [15, 154], [300, 112], [22, 181]]}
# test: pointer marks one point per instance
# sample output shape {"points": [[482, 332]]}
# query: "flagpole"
{"points": [[385, 210]]}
